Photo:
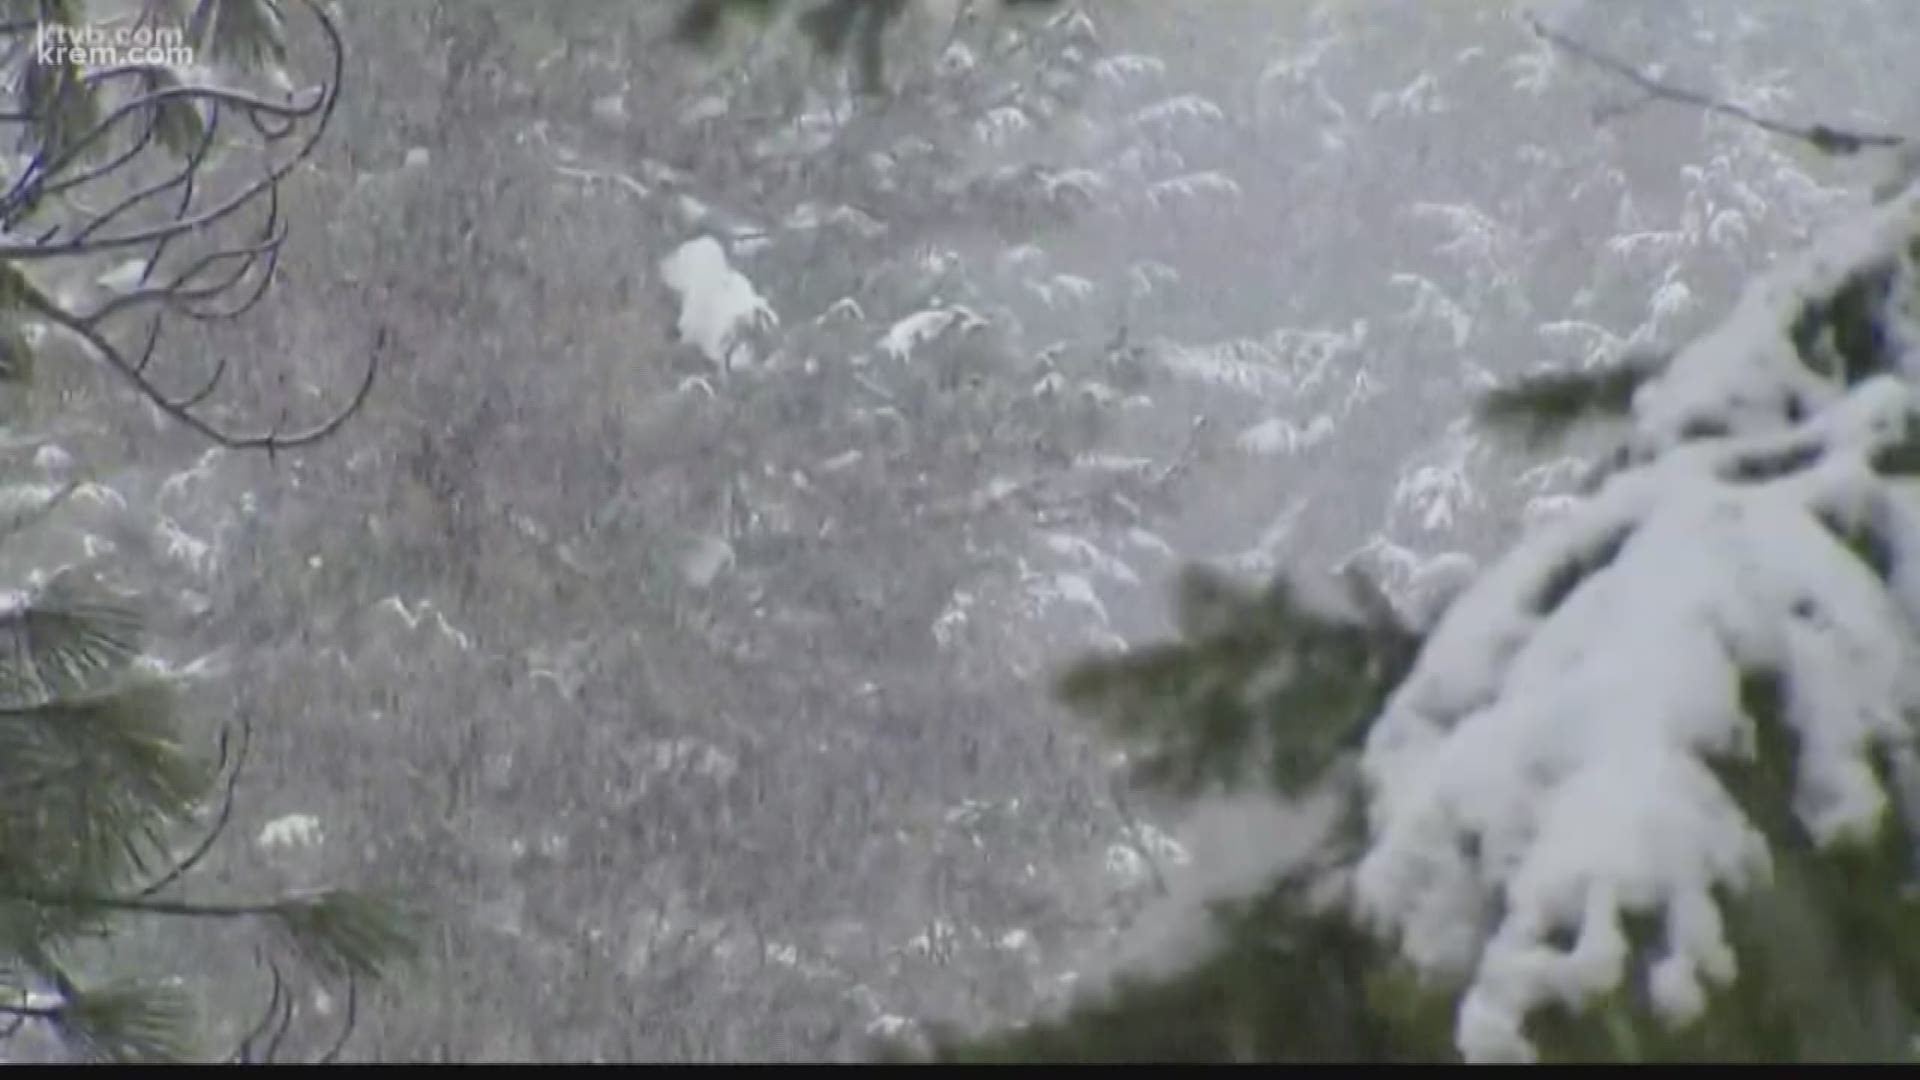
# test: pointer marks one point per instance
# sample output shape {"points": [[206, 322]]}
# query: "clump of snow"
{"points": [[1544, 768], [291, 830], [921, 327], [1745, 369], [717, 303]]}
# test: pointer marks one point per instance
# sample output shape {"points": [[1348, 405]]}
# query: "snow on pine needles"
{"points": [[1545, 769]]}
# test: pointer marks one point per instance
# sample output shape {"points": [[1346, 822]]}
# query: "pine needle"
{"points": [[345, 934], [128, 1023], [66, 639], [85, 782]]}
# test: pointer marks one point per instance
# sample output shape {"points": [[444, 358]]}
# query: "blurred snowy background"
{"points": [[677, 619]]}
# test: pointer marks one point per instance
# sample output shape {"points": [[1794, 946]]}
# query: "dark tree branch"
{"points": [[221, 818], [347, 1024], [147, 218], [272, 1025], [181, 408], [182, 178], [1826, 139], [32, 181]]}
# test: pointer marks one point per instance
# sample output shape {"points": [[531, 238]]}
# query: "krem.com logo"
{"points": [[93, 47]]}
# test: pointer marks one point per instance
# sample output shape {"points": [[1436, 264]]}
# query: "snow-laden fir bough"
{"points": [[1551, 768]]}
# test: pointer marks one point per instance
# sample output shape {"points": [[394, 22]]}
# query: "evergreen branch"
{"points": [[89, 779], [64, 641], [1256, 678], [345, 934], [1541, 407], [340, 934], [1901, 459], [1824, 138], [1286, 979], [125, 729], [221, 818], [126, 1023]]}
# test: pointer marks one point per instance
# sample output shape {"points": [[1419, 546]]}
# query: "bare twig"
{"points": [[181, 408], [277, 998], [149, 218], [222, 817], [347, 1024], [1822, 137]]}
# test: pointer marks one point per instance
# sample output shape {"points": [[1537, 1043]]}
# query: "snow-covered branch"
{"points": [[1552, 763]]}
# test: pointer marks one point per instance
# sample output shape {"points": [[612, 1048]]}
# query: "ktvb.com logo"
{"points": [[95, 47]]}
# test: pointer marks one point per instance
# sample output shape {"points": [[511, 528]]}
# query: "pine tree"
{"points": [[1643, 791], [119, 211]]}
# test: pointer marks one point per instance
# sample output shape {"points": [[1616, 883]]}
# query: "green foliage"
{"points": [[1268, 687], [1843, 337], [1290, 981], [127, 1023], [96, 781], [64, 642], [1828, 965], [1540, 408], [348, 935], [1259, 678]]}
